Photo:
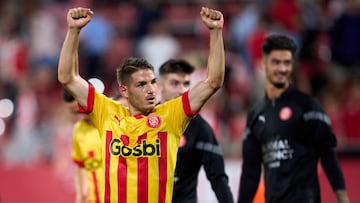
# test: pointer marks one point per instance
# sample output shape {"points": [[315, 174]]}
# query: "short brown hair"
{"points": [[176, 66], [130, 66], [278, 42]]}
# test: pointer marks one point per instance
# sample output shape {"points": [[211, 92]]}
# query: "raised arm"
{"points": [[68, 67], [202, 91]]}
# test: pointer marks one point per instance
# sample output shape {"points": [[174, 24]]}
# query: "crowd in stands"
{"points": [[31, 33]]}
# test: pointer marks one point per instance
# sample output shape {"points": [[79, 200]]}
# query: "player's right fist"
{"points": [[79, 17]]}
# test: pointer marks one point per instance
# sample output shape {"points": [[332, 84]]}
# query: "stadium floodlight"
{"points": [[6, 108], [98, 84]]}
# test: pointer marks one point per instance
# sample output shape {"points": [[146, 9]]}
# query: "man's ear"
{"points": [[123, 91]]}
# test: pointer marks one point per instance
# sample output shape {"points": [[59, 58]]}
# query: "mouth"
{"points": [[281, 76], [151, 99]]}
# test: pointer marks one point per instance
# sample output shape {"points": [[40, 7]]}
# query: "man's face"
{"points": [[278, 68], [141, 91], [174, 85]]}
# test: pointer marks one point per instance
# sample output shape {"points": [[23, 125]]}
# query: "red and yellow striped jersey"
{"points": [[86, 152], [140, 151]]}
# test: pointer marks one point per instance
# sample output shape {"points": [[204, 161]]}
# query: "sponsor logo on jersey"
{"points": [[144, 149], [153, 121], [285, 113], [276, 151]]}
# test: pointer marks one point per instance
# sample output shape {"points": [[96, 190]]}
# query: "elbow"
{"points": [[64, 79]]}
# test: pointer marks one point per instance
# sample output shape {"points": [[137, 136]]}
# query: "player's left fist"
{"points": [[213, 19]]}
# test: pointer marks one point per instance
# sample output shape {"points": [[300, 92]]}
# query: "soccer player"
{"points": [[287, 133], [140, 143], [86, 154], [198, 145]]}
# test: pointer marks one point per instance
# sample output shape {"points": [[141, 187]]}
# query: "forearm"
{"points": [[332, 169], [214, 167], [222, 190], [81, 185], [216, 60], [68, 61], [341, 196], [68, 68], [249, 182]]}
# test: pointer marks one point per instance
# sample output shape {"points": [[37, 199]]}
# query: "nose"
{"points": [[283, 67], [151, 88]]}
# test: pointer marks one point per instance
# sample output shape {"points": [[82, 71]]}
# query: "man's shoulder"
{"points": [[305, 100], [199, 126], [199, 120], [257, 107]]}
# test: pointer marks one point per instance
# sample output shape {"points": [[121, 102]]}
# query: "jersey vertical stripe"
{"points": [[122, 174], [107, 166], [163, 168], [143, 175], [96, 187]]}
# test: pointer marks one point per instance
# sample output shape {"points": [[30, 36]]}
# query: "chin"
{"points": [[279, 85]]}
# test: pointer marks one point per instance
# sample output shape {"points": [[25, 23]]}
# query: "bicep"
{"points": [[199, 94], [79, 89]]}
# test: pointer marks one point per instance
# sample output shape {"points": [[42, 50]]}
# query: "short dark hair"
{"points": [[278, 42], [129, 66], [67, 97], [176, 66]]}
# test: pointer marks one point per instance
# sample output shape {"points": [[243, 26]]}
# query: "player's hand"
{"points": [[213, 19], [78, 17]]}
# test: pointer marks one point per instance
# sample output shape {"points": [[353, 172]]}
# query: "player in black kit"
{"points": [[198, 145], [287, 133]]}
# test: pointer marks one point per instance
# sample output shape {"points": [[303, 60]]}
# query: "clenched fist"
{"points": [[79, 17], [213, 19]]}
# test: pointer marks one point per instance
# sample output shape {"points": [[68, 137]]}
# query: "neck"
{"points": [[275, 92], [135, 112]]}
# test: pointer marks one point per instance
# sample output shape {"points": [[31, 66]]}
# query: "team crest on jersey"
{"points": [[153, 121], [285, 113]]}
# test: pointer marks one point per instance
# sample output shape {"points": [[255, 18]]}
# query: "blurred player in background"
{"points": [[287, 134], [86, 154], [198, 145]]}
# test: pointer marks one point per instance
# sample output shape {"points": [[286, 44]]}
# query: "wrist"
{"points": [[74, 30]]}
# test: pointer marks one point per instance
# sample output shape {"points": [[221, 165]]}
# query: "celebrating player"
{"points": [[140, 143]]}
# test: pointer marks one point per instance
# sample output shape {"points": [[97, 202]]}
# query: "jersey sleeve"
{"points": [[251, 165], [90, 101], [332, 169], [318, 125], [213, 162]]}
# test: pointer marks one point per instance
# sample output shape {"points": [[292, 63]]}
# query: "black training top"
{"points": [[198, 146], [288, 135]]}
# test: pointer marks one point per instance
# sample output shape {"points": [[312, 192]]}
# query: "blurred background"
{"points": [[35, 127]]}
